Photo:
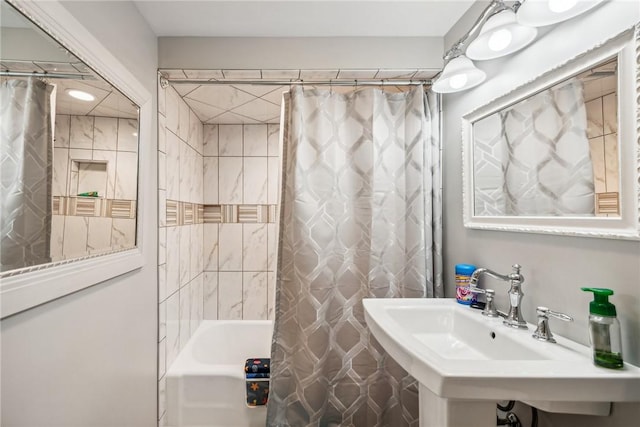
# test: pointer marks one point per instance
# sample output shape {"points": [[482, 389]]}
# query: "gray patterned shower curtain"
{"points": [[26, 148], [360, 218]]}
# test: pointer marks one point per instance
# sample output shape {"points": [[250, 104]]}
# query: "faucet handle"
{"points": [[556, 314], [489, 309], [542, 332]]}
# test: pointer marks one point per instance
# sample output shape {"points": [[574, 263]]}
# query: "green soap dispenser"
{"points": [[604, 330]]}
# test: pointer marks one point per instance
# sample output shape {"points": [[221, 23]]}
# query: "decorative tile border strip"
{"points": [[212, 214], [273, 213], [187, 213], [93, 207], [183, 213], [172, 213], [229, 213], [121, 208], [608, 203], [199, 217]]}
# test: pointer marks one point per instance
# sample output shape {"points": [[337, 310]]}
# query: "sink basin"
{"points": [[456, 353], [451, 332]]}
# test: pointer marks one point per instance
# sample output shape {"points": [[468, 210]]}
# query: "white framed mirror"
{"points": [[89, 207], [560, 154]]}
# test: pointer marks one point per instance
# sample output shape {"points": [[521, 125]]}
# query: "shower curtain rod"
{"points": [[164, 82], [47, 75]]}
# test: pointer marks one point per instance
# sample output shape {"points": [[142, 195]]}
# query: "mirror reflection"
{"points": [[69, 153], [554, 153]]}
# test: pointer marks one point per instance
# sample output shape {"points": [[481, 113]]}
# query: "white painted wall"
{"points": [[555, 267], [25, 44], [90, 358], [300, 53]]}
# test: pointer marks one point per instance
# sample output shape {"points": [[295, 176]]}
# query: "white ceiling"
{"points": [[302, 18]]}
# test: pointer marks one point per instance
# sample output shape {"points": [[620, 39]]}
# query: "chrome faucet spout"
{"points": [[481, 271], [514, 317]]}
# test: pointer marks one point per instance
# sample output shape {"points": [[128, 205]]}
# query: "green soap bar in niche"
{"points": [[89, 194]]}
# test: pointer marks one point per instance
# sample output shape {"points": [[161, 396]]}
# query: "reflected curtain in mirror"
{"points": [[26, 163], [533, 158]]}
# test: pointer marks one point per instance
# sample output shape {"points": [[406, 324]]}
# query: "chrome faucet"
{"points": [[514, 316]]}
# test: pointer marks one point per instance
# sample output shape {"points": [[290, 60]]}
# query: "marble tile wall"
{"points": [[180, 254], [241, 167], [602, 132], [93, 154]]}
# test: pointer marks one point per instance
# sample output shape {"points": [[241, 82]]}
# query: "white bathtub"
{"points": [[206, 385]]}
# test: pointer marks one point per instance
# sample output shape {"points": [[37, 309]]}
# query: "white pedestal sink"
{"points": [[466, 362]]}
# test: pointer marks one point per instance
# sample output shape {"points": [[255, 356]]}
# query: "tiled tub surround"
{"points": [[217, 207], [93, 154]]}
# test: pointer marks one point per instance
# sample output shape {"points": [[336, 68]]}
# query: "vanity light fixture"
{"points": [[539, 13], [501, 35], [81, 95], [459, 74], [501, 30]]}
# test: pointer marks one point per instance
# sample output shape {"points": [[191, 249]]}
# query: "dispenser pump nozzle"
{"points": [[600, 304]]}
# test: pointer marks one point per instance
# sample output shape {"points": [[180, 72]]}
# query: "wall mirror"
{"points": [[560, 154], [69, 157]]}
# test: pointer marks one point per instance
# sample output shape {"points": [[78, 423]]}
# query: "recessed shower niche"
{"points": [[88, 178]]}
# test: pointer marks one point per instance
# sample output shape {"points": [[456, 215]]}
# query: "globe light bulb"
{"points": [[457, 81], [499, 40], [560, 6]]}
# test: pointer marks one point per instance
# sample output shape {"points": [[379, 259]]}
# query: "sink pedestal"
{"points": [[436, 411]]}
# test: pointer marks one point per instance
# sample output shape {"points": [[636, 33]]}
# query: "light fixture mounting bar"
{"points": [[494, 7]]}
